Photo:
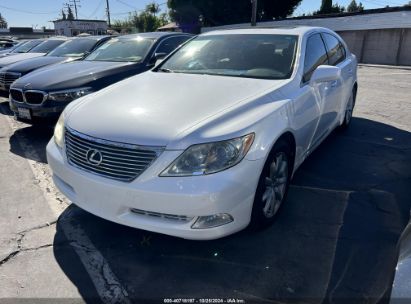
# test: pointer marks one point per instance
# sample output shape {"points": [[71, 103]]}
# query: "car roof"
{"points": [[281, 30], [100, 37], [56, 38], [153, 35]]}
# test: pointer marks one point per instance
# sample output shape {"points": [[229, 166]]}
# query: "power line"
{"points": [[135, 10], [126, 4], [27, 12], [97, 8]]}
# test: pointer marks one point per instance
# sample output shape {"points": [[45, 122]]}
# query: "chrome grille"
{"points": [[7, 78], [123, 162]]}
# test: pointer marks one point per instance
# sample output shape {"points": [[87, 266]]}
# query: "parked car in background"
{"points": [[19, 48], [45, 93], [39, 50], [6, 44], [73, 49], [208, 140]]}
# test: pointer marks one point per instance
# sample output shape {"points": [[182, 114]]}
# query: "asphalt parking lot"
{"points": [[334, 241]]}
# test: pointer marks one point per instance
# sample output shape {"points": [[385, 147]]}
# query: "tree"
{"points": [[3, 22], [354, 7], [63, 15], [153, 8], [327, 7], [70, 15], [221, 12], [145, 21]]}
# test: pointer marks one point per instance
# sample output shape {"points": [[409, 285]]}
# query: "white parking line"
{"points": [[105, 281]]}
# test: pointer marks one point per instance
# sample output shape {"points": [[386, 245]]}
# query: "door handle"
{"points": [[334, 83]]}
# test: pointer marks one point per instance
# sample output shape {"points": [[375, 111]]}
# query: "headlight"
{"points": [[210, 158], [69, 95], [59, 131]]}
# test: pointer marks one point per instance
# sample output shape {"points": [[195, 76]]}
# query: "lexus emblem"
{"points": [[94, 157]]}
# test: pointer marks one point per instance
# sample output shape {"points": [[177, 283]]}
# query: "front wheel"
{"points": [[273, 186]]}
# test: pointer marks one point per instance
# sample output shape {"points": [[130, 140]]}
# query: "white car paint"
{"points": [[175, 111]]}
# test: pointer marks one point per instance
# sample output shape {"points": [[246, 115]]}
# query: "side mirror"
{"points": [[325, 73], [86, 53], [157, 58]]}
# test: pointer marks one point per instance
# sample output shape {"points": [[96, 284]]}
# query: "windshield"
{"points": [[27, 46], [73, 48], [122, 50], [246, 55], [47, 46]]}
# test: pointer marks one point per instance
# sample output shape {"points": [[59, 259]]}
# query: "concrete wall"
{"points": [[404, 56], [382, 46]]}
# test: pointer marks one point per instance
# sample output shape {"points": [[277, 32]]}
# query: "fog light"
{"points": [[211, 221]]}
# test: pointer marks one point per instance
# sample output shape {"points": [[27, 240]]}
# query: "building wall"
{"points": [[383, 46], [71, 28], [404, 57]]}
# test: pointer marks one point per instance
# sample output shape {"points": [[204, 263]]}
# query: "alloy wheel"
{"points": [[275, 185]]}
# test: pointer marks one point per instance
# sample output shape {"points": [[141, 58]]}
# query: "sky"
{"points": [[38, 13]]}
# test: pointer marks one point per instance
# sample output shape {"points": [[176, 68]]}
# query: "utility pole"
{"points": [[74, 2], [254, 13], [66, 6], [108, 13]]}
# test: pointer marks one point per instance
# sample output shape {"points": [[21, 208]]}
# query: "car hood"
{"points": [[70, 75], [28, 65], [159, 109], [18, 57]]}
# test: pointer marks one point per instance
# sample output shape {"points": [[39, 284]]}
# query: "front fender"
{"points": [[266, 118]]}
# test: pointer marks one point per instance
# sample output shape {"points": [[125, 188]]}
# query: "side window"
{"points": [[315, 55], [336, 51], [170, 44]]}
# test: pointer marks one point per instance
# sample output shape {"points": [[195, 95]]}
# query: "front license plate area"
{"points": [[24, 113]]}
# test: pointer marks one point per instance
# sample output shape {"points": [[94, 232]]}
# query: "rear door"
{"points": [[342, 87]]}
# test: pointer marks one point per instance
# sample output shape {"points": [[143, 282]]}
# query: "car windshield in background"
{"points": [[47, 46], [253, 56], [73, 48], [122, 50], [27, 46]]}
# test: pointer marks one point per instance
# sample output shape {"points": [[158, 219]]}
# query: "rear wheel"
{"points": [[349, 109], [273, 186]]}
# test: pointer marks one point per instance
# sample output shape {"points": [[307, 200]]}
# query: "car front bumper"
{"points": [[230, 191], [49, 110]]}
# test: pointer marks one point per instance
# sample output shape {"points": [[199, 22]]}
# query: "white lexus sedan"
{"points": [[206, 143]]}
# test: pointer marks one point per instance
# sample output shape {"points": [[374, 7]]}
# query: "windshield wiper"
{"points": [[165, 70]]}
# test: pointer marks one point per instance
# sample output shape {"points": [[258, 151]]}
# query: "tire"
{"points": [[266, 205], [349, 109]]}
